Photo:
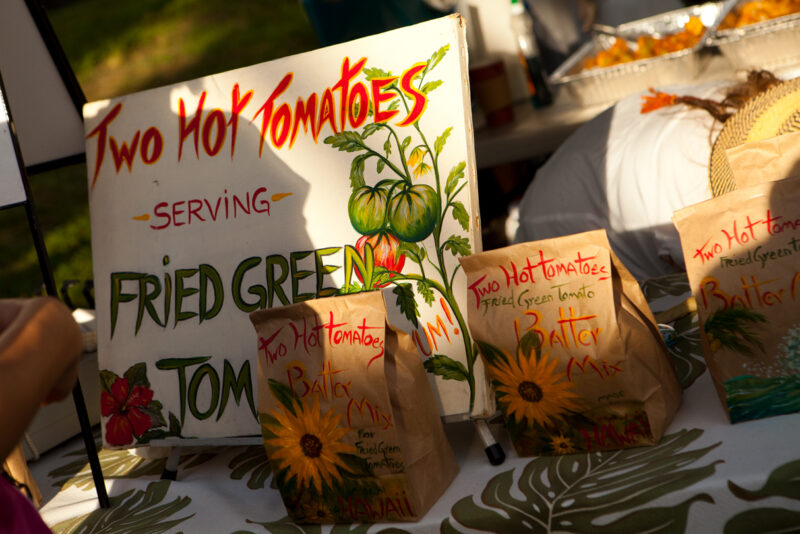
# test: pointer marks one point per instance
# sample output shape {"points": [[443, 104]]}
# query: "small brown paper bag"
{"points": [[765, 161], [350, 424], [742, 252], [570, 345]]}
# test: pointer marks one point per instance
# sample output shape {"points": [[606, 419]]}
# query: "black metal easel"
{"points": [[50, 288], [76, 94]]}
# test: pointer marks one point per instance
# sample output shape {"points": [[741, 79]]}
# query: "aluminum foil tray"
{"points": [[609, 84], [770, 44]]}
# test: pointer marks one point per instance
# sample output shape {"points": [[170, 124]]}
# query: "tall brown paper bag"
{"points": [[350, 424], [742, 252], [571, 346]]}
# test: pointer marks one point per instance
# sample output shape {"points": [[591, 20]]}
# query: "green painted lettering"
{"points": [[180, 364], [273, 282], [323, 269], [255, 290]]}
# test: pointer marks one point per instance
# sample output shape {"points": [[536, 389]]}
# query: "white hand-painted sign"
{"points": [[314, 175]]}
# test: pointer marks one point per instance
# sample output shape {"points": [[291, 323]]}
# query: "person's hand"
{"points": [[45, 320], [64, 384], [40, 348]]}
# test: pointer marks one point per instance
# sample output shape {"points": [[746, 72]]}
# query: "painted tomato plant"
{"points": [[402, 216]]}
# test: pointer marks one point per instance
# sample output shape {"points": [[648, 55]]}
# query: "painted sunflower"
{"points": [[562, 445], [308, 445], [316, 512], [532, 390]]}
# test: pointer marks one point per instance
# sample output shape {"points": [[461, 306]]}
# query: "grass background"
{"points": [[116, 48]]}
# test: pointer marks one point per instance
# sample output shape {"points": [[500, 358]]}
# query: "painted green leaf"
{"points": [[458, 245], [456, 174], [285, 526], [357, 171], [438, 145], [153, 410], [116, 463], [283, 394], [131, 512], [430, 86], [137, 375], [371, 128], [763, 521], [251, 461], [107, 379], [582, 492], [381, 276], [174, 425], [494, 355], [735, 328], [406, 142], [346, 141], [424, 289], [675, 285], [387, 146], [406, 302], [447, 368], [436, 58], [530, 344], [374, 72], [380, 166], [784, 481], [460, 214], [413, 251], [686, 352]]}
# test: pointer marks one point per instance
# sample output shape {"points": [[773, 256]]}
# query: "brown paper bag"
{"points": [[350, 424], [742, 253], [765, 161], [570, 345]]}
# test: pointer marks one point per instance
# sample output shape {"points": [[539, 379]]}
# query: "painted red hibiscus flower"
{"points": [[124, 405]]}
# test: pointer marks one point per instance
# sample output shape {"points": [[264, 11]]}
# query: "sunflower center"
{"points": [[530, 391], [311, 445]]}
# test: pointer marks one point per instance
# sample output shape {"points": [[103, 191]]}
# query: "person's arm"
{"points": [[40, 348]]}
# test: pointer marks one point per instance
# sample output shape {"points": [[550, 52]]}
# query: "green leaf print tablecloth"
{"points": [[705, 476]]}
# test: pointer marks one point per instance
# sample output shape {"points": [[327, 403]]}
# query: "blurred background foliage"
{"points": [[117, 48]]}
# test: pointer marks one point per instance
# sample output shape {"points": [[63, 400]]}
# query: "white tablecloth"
{"points": [[705, 476]]}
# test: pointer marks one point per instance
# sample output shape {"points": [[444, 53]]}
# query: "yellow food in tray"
{"points": [[758, 11], [648, 46]]}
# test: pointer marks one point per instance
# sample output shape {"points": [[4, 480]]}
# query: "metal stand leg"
{"points": [[171, 468], [91, 448], [493, 450]]}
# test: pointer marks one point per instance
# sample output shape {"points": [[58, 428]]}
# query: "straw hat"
{"points": [[774, 112]]}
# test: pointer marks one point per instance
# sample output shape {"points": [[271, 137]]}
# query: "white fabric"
{"points": [[626, 172]]}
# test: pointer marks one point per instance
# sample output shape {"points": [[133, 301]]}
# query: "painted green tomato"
{"points": [[413, 212], [367, 209]]}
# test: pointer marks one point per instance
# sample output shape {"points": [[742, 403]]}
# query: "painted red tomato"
{"points": [[384, 250], [367, 209], [413, 212]]}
